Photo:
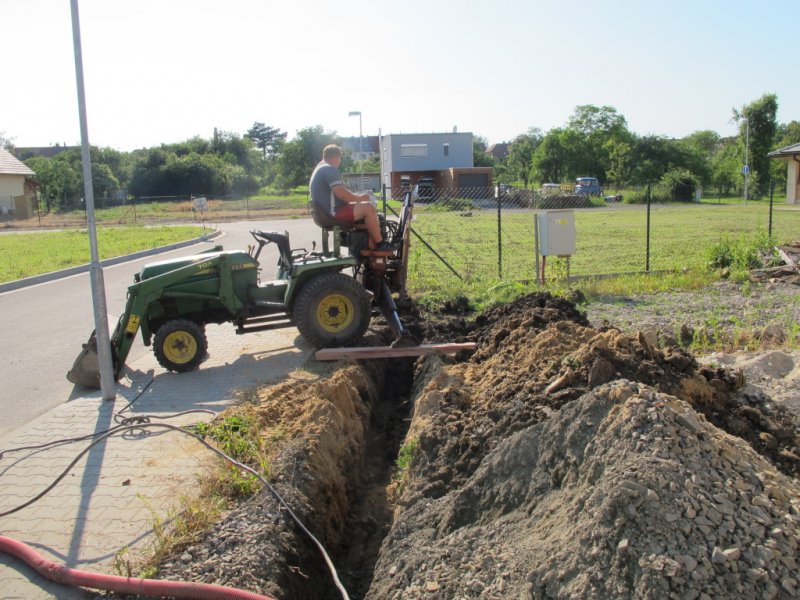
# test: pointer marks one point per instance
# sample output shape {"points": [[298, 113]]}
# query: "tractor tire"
{"points": [[180, 345], [331, 310]]}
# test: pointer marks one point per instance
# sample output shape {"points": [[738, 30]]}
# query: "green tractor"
{"points": [[171, 301]]}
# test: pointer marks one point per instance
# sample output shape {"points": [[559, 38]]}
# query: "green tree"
{"points": [[520, 155], [759, 119], [619, 162], [60, 183], [551, 159], [587, 135], [267, 139], [6, 141], [299, 156]]}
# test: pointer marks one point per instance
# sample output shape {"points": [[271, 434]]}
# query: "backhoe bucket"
{"points": [[86, 369]]}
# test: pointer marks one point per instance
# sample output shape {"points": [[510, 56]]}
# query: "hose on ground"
{"points": [[123, 428], [123, 585]]}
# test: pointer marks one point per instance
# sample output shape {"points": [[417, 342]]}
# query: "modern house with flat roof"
{"points": [[446, 158], [791, 154]]}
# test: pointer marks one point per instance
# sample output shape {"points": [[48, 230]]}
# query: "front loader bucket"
{"points": [[86, 369]]}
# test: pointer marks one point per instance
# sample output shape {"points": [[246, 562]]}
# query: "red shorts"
{"points": [[344, 213]]}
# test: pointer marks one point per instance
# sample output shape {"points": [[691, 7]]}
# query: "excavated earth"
{"points": [[559, 460]]}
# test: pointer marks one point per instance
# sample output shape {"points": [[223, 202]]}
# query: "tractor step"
{"points": [[367, 352]]}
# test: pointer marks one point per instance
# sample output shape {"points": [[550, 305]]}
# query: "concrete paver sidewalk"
{"points": [[108, 500]]}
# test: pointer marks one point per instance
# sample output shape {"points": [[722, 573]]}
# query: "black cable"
{"points": [[233, 461]]}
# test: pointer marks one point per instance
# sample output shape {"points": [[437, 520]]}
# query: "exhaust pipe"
{"points": [[86, 368]]}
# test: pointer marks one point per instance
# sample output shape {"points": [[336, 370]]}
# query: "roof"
{"points": [[787, 151], [11, 166]]}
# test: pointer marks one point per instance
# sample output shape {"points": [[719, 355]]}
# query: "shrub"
{"points": [[679, 185], [739, 256]]}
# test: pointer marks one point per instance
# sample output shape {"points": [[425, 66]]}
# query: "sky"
{"points": [[163, 71]]}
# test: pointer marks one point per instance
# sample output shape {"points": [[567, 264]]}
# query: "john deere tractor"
{"points": [[327, 295]]}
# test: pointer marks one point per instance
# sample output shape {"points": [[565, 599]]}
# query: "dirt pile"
{"points": [[625, 492], [535, 358]]}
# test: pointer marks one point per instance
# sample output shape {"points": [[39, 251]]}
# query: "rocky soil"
{"points": [[563, 458]]}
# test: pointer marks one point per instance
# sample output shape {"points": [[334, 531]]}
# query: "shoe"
{"points": [[385, 246]]}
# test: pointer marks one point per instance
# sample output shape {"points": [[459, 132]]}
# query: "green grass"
{"points": [[29, 254], [609, 241]]}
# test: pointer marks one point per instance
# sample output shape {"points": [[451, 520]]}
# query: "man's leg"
{"points": [[365, 210]]}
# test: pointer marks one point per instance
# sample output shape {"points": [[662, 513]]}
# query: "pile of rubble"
{"points": [[787, 272]]}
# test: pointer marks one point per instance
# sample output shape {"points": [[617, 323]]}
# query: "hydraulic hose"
{"points": [[123, 585]]}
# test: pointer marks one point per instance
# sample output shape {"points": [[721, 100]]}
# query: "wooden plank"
{"points": [[365, 352], [785, 256]]}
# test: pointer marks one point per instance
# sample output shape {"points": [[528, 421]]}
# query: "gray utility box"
{"points": [[556, 233]]}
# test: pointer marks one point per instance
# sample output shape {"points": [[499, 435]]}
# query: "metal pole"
{"points": [[361, 156], [647, 255], [499, 233], [536, 245], [771, 195], [107, 382]]}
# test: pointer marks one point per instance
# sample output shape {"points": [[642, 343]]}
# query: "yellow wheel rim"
{"points": [[180, 347], [335, 313]]}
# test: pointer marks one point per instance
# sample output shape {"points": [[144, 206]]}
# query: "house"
{"points": [[445, 158], [498, 151], [791, 154], [361, 148], [17, 188]]}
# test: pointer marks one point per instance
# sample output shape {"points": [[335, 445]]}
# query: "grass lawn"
{"points": [[29, 254], [609, 241]]}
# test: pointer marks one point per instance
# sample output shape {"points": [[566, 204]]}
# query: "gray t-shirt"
{"points": [[323, 180]]}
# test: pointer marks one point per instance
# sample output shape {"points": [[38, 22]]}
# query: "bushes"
{"points": [[677, 185], [737, 257]]}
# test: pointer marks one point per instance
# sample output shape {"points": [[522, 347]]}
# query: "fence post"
{"points": [[771, 196], [499, 232], [134, 210], [383, 197], [247, 206], [647, 254]]}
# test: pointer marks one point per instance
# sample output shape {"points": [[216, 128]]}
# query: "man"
{"points": [[340, 204]]}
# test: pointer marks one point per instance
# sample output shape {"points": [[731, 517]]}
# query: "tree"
{"points": [[761, 124], [299, 156], [589, 130], [520, 155], [267, 139], [549, 163], [60, 183], [6, 141]]}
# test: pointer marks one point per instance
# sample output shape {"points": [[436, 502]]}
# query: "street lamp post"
{"points": [[354, 113], [746, 157]]}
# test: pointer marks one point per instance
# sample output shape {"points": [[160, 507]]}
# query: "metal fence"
{"points": [[484, 235]]}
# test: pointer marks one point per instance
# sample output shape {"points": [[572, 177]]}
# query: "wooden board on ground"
{"points": [[366, 352]]}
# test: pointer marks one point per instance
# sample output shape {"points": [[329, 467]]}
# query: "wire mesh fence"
{"points": [[491, 234]]}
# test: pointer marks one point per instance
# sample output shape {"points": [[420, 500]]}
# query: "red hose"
{"points": [[125, 585]]}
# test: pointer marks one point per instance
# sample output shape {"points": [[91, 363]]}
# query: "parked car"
{"points": [[550, 189], [589, 186], [425, 189]]}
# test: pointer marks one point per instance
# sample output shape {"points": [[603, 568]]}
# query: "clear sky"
{"points": [[161, 71]]}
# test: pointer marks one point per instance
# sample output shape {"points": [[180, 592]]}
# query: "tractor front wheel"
{"points": [[331, 309], [180, 345]]}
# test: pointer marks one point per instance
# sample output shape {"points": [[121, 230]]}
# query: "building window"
{"points": [[447, 149], [414, 150]]}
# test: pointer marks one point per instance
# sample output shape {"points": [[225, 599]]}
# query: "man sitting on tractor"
{"points": [[339, 205]]}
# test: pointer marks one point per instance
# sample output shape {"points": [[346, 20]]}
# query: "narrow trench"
{"points": [[371, 509]]}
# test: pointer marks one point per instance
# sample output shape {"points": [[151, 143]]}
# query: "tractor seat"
{"points": [[281, 240], [327, 222]]}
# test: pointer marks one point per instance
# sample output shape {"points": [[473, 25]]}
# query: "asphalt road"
{"points": [[43, 326]]}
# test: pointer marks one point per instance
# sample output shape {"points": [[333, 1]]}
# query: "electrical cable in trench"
{"points": [[143, 423]]}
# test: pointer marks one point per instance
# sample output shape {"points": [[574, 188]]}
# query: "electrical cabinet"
{"points": [[556, 233]]}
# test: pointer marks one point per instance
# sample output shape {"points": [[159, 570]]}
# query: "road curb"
{"points": [[54, 275]]}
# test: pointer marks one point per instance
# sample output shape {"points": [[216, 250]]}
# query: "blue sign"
{"points": [[746, 170]]}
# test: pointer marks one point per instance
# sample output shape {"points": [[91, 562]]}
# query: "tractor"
{"points": [[171, 301]]}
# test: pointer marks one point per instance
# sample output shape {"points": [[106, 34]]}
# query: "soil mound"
{"points": [[626, 492]]}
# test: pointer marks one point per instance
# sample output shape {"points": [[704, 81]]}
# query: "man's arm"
{"points": [[342, 193]]}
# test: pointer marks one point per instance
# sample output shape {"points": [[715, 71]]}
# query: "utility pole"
{"points": [[107, 381], [353, 113]]}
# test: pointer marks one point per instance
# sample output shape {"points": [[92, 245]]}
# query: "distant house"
{"points": [[498, 151], [17, 188], [363, 148], [791, 154], [446, 158]]}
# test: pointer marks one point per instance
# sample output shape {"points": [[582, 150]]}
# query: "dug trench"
{"points": [[558, 460]]}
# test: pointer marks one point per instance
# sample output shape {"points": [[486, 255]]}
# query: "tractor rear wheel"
{"points": [[180, 345], [332, 309]]}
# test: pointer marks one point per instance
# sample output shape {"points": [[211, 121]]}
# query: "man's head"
{"points": [[332, 154]]}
